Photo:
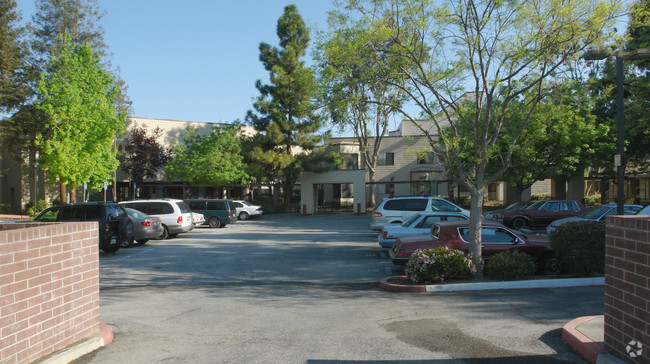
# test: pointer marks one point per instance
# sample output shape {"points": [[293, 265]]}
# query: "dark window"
{"points": [[183, 207], [386, 159], [417, 204], [569, 206], [93, 212], [441, 205], [550, 206], [216, 205], [158, 208], [72, 213], [197, 205]]}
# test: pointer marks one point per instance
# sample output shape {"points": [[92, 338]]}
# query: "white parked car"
{"points": [[596, 213], [198, 219], [246, 209], [395, 210], [420, 223], [174, 214]]}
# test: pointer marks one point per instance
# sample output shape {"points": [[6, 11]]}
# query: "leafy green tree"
{"points": [[284, 112], [78, 95], [143, 156], [212, 159], [470, 66], [561, 139], [353, 86]]}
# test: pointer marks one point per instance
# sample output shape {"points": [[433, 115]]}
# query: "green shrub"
{"points": [[540, 196], [438, 264], [592, 199], [510, 265], [580, 247]]}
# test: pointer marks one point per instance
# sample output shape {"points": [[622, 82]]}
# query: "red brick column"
{"points": [[49, 288], [627, 289]]}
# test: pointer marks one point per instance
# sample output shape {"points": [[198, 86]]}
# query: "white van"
{"points": [[395, 210]]}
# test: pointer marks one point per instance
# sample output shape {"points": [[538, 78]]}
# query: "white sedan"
{"points": [[420, 223], [246, 209]]}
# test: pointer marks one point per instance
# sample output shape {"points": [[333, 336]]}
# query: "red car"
{"points": [[542, 213], [496, 238]]}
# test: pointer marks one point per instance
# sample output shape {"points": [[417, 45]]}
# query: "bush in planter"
{"points": [[510, 265], [438, 264], [580, 247]]}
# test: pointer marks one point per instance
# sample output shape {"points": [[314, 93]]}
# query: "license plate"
{"points": [[113, 241]]}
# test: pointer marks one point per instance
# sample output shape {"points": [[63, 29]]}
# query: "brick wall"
{"points": [[49, 288], [627, 289]]}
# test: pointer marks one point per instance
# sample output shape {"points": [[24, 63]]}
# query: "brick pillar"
{"points": [[627, 289]]}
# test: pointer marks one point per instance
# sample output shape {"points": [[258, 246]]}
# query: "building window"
{"points": [[350, 161], [386, 159]]}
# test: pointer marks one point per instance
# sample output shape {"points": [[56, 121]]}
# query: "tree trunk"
{"points": [[476, 206], [276, 195], [604, 191], [63, 193], [288, 190], [73, 194], [372, 188]]}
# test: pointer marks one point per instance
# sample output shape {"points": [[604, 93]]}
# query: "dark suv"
{"points": [[217, 213], [115, 227]]}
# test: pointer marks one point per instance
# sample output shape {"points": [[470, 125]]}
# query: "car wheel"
{"points": [[125, 231], [164, 234], [111, 248], [519, 223], [244, 215], [142, 241], [550, 265], [214, 222], [127, 243]]}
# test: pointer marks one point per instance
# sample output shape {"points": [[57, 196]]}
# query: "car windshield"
{"points": [[411, 220], [644, 211], [183, 206], [595, 213], [535, 205], [518, 205]]}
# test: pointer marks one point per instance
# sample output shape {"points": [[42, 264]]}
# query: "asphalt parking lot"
{"points": [[300, 289]]}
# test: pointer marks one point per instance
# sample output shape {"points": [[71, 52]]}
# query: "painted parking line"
{"points": [[144, 251]]}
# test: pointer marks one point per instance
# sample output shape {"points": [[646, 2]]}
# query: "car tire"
{"points": [[142, 241], [243, 215], [172, 236], [214, 222], [519, 223], [125, 232], [111, 248], [164, 234], [550, 265]]}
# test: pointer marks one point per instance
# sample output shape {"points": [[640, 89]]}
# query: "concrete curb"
{"points": [[76, 351], [385, 284], [586, 347]]}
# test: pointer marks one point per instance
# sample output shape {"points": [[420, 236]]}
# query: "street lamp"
{"points": [[619, 158]]}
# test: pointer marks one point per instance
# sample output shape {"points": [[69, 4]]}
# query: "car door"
{"points": [[411, 206], [546, 214]]}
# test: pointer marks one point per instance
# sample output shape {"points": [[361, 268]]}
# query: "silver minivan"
{"points": [[175, 215], [395, 210]]}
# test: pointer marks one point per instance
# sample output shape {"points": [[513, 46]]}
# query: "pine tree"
{"points": [[285, 114]]}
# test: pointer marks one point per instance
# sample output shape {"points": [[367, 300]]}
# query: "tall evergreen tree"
{"points": [[14, 67], [284, 112]]}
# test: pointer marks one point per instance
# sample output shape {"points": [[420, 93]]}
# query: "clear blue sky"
{"points": [[194, 60]]}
